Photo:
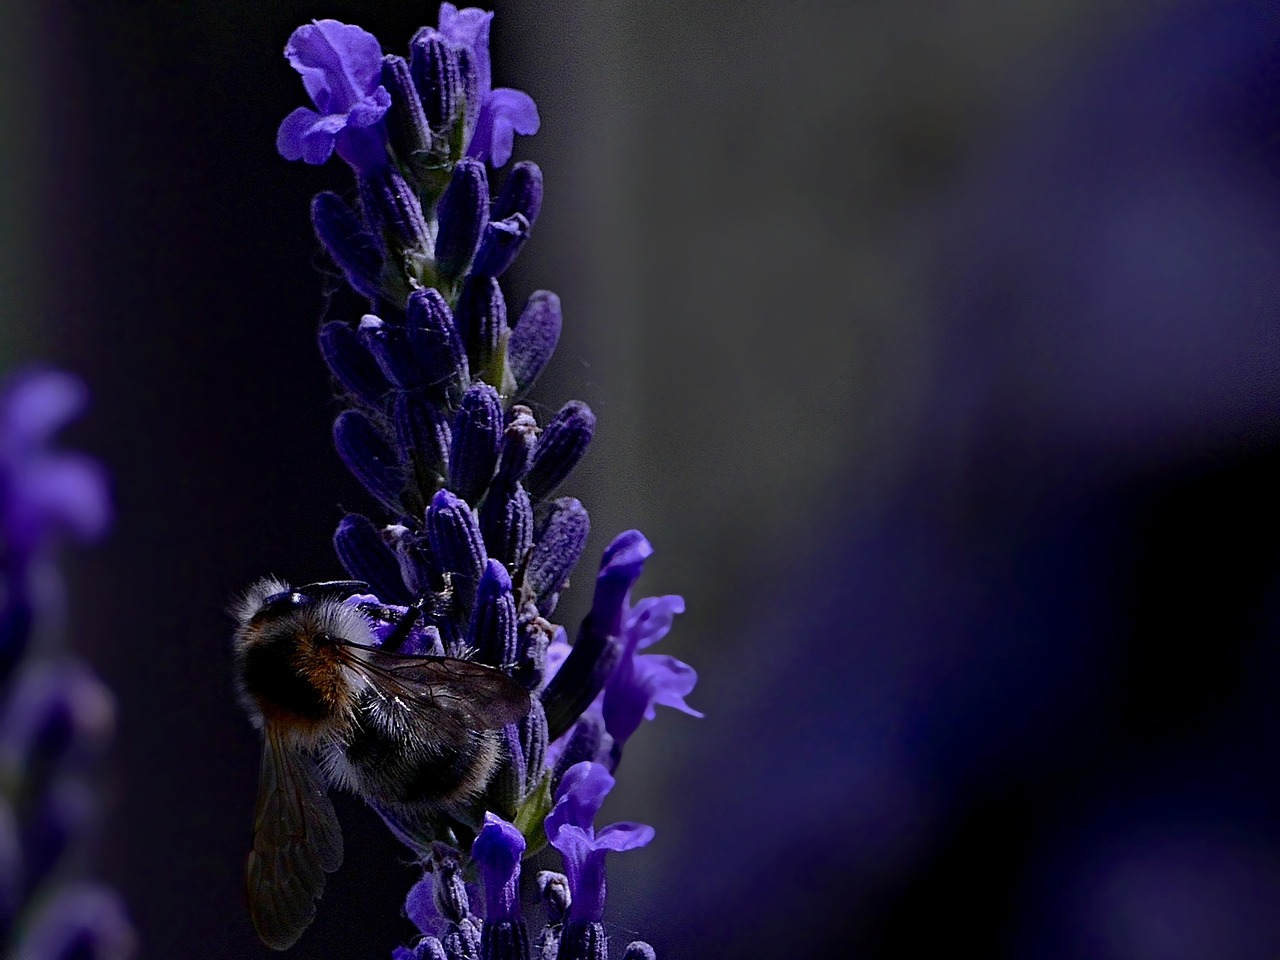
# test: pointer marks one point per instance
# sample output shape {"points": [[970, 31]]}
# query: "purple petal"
{"points": [[37, 405], [651, 618], [302, 136], [504, 113], [64, 493], [579, 796], [620, 568], [340, 64], [637, 684], [623, 836]]}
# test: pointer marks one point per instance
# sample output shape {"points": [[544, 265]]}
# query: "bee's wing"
{"points": [[444, 689], [296, 841]]}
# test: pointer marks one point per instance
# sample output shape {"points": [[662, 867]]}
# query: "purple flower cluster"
{"points": [[470, 533], [56, 716]]}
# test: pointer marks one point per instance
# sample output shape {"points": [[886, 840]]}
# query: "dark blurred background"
{"points": [[934, 346]]}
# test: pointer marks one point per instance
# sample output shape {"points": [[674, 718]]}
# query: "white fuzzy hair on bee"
{"points": [[417, 737]]}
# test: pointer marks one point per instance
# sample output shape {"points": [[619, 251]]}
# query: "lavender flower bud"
{"points": [[500, 244], [389, 346], [521, 193], [437, 346], [504, 940], [355, 252], [587, 743], [583, 940], [369, 457], [482, 321], [507, 787], [506, 522], [351, 363], [518, 440], [406, 123], [639, 950], [553, 890], [365, 556], [534, 338], [532, 641], [556, 552], [561, 446], [392, 206], [449, 889], [428, 948], [462, 214], [493, 622], [477, 429], [423, 433], [533, 738], [456, 543], [462, 942], [418, 568], [433, 66], [497, 851]]}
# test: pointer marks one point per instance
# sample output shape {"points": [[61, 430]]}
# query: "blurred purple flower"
{"points": [[341, 67], [45, 492], [58, 715]]}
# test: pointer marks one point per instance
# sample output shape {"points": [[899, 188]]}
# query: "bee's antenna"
{"points": [[333, 589]]}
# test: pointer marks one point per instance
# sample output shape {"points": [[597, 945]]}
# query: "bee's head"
{"points": [[288, 667]]}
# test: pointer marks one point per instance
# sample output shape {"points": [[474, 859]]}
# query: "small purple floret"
{"points": [[497, 851], [341, 68], [503, 112], [581, 792], [641, 681], [45, 492]]}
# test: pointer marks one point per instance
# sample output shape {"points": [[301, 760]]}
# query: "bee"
{"points": [[415, 736]]}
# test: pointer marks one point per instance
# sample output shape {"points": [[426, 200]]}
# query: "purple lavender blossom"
{"points": [[570, 829], [341, 68], [503, 112], [465, 552], [641, 681]]}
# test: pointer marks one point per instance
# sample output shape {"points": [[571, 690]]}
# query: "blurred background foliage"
{"points": [[933, 347]]}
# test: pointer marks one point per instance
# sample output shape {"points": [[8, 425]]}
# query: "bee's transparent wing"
{"points": [[446, 690], [296, 841]]}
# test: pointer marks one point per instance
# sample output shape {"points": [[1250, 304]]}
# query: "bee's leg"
{"points": [[400, 633]]}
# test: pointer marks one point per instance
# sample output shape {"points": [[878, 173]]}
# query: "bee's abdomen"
{"points": [[406, 770], [271, 677]]}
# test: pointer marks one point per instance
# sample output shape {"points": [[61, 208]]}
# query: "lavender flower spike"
{"points": [[341, 68], [468, 555]]}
